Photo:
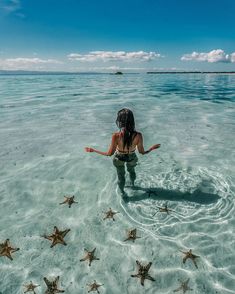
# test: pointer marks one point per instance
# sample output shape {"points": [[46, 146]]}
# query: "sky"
{"points": [[111, 35]]}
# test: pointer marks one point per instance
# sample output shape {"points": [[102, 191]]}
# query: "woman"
{"points": [[123, 146]]}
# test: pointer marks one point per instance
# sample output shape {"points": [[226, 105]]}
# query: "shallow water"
{"points": [[45, 123]]}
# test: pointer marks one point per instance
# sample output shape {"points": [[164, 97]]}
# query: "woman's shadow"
{"points": [[196, 196]]}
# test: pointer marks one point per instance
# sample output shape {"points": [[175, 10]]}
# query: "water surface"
{"points": [[45, 123]]}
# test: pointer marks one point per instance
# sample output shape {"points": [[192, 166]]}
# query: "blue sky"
{"points": [[106, 35]]}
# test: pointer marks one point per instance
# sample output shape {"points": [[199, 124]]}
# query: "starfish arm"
{"points": [[7, 242], [113, 218], [184, 259], [47, 237], [95, 258], [57, 280], [60, 291], [85, 258], [47, 282], [15, 249], [147, 267], [63, 202], [9, 255], [138, 264], [53, 243], [56, 230], [61, 241], [134, 276], [93, 251], [142, 280], [65, 232], [183, 252], [194, 261], [150, 278], [126, 239]]}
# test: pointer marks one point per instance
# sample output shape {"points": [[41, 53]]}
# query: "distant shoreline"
{"points": [[22, 72], [191, 72]]}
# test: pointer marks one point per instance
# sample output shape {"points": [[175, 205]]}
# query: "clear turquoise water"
{"points": [[45, 123]]}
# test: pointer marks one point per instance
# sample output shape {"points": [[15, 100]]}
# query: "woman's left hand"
{"points": [[155, 146]]}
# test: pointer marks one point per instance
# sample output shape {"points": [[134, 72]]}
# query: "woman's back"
{"points": [[120, 142]]}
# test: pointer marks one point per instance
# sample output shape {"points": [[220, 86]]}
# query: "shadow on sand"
{"points": [[173, 195]]}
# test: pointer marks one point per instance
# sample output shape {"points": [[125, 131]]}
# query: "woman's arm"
{"points": [[111, 150], [140, 146]]}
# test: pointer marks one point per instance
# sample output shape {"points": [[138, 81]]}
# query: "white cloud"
{"points": [[26, 63], [114, 56], [217, 55]]}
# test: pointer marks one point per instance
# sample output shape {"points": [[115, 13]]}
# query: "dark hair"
{"points": [[125, 119]]}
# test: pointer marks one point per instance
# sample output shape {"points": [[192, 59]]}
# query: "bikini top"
{"points": [[124, 152]]}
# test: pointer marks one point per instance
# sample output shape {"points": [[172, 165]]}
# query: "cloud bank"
{"points": [[213, 56], [26, 63], [114, 56]]}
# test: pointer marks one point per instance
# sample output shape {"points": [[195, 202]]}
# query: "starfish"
{"points": [[69, 200], [30, 287], [57, 237], [164, 209], [52, 287], [94, 287], [131, 235], [6, 249], [190, 255], [184, 286], [143, 272], [90, 255], [110, 214]]}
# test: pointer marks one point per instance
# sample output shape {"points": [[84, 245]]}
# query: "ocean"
{"points": [[45, 123]]}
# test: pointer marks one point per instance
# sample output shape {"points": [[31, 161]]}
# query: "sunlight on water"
{"points": [[45, 123]]}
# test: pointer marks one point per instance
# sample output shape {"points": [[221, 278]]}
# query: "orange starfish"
{"points": [[90, 256], [94, 286], [30, 287], [69, 200], [143, 272], [131, 235], [6, 249], [184, 286], [110, 214], [52, 287], [57, 237], [190, 255]]}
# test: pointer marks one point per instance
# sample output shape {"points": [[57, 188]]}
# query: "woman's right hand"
{"points": [[89, 149]]}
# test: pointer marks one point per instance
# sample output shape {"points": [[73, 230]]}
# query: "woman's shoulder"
{"points": [[139, 134]]}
